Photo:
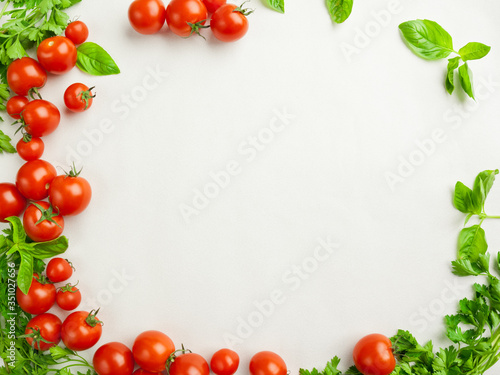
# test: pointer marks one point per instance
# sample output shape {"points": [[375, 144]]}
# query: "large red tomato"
{"points": [[25, 75], [40, 118], [40, 297], [186, 17], [41, 223], [33, 179], [113, 358], [81, 330], [147, 16], [189, 364], [41, 328], [70, 194], [267, 363], [12, 202], [229, 23], [57, 54], [373, 355], [151, 350]]}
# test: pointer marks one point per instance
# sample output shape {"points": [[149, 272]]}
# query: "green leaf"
{"points": [[331, 367], [462, 199], [465, 75], [427, 39], [18, 233], [474, 51], [339, 10], [450, 76], [68, 3], [482, 186], [5, 145], [49, 249], [464, 267], [277, 5], [57, 352], [471, 243], [16, 50], [25, 274], [93, 59]]}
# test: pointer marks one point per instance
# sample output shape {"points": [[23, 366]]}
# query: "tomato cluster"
{"points": [[184, 18]]}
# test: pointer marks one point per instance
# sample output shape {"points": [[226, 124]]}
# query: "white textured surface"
{"points": [[182, 111]]}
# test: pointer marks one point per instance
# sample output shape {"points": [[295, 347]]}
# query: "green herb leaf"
{"points": [[450, 76], [427, 39], [464, 267], [474, 51], [462, 199], [472, 243], [277, 5], [339, 10], [465, 79], [482, 186], [93, 59], [49, 249], [5, 145], [57, 352], [16, 226], [25, 274]]}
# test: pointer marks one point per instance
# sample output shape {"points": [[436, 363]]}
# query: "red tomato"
{"points": [[267, 363], [77, 32], [224, 362], [68, 297], [140, 371], [189, 364], [113, 358], [26, 75], [78, 97], [33, 179], [147, 16], [15, 106], [41, 223], [213, 5], [373, 355], [59, 270], [40, 118], [57, 54], [229, 23], [40, 297], [81, 330], [12, 202], [181, 13], [45, 326], [30, 148], [70, 194], [151, 350]]}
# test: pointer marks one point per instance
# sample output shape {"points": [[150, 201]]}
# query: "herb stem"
{"points": [[4, 8]]}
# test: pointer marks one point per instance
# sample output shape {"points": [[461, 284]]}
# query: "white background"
{"points": [[357, 117]]}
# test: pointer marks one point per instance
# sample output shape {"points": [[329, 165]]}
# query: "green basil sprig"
{"points": [[428, 40]]}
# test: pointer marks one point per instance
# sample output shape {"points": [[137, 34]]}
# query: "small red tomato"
{"points": [[152, 349], [30, 148], [267, 363], [68, 297], [213, 5], [113, 358], [41, 223], [40, 118], [15, 106], [78, 97], [57, 54], [40, 298], [77, 32], [81, 330], [59, 270], [12, 202], [224, 362], [186, 17], [229, 23], [70, 194], [140, 371], [33, 179], [189, 363], [147, 16], [373, 355], [26, 75], [41, 328]]}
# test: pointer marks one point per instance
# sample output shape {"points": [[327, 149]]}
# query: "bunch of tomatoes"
{"points": [[228, 22]]}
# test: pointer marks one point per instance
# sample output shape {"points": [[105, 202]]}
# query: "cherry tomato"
{"points": [[181, 13], [151, 350], [26, 75], [70, 194], [15, 106], [68, 297], [41, 223], [12, 202], [224, 362], [213, 5], [45, 326], [373, 355], [59, 270], [40, 118], [40, 297], [229, 23], [77, 32], [33, 179], [30, 148], [147, 16], [189, 364], [140, 371], [267, 363], [78, 97], [57, 54], [113, 358], [81, 330]]}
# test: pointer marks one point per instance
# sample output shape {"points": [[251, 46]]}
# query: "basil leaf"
{"points": [[277, 5], [482, 186], [450, 76], [465, 79], [18, 233], [427, 39], [471, 243], [93, 59], [25, 274], [462, 199], [474, 51], [49, 249], [5, 145], [339, 10]]}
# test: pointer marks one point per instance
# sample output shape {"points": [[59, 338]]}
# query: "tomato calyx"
{"points": [[72, 173], [27, 137], [196, 27], [92, 320], [42, 279], [175, 354], [69, 288], [37, 337], [86, 96], [34, 92], [47, 214], [244, 11]]}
